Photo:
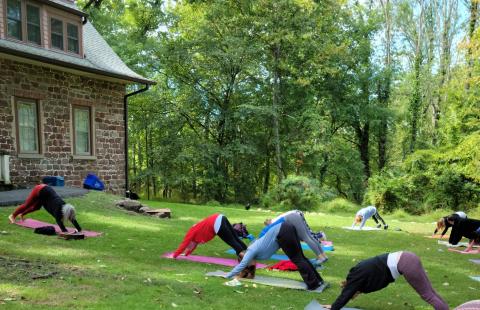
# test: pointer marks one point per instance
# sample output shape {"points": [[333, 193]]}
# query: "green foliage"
{"points": [[431, 180], [294, 192]]}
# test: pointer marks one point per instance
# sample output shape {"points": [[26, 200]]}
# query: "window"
{"points": [[33, 24], [14, 19], [27, 126], [64, 35], [82, 130], [56, 30], [72, 38]]}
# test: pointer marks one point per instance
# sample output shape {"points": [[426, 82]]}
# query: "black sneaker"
{"points": [[385, 227]]}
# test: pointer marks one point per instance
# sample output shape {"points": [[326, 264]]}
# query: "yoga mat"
{"points": [[437, 237], [274, 256], [271, 281], [463, 252], [31, 223], [327, 246], [476, 261], [315, 305], [476, 278], [469, 305], [357, 228], [209, 260], [460, 244]]}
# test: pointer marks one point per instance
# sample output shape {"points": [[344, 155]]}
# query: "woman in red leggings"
{"points": [[44, 195]]}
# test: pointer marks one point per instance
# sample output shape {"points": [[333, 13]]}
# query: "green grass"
{"points": [[123, 269]]}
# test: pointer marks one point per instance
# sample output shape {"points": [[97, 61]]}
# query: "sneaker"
{"points": [[379, 225], [385, 227]]}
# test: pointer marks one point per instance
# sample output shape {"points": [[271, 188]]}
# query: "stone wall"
{"points": [[57, 91]]}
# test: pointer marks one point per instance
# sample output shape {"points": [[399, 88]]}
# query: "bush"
{"points": [[294, 192], [340, 205], [430, 180]]}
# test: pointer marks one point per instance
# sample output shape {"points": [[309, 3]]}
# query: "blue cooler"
{"points": [[54, 181]]}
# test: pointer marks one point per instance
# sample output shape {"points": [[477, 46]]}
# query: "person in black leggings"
{"points": [[284, 236], [229, 236]]}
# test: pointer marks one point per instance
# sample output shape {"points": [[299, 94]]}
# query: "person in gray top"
{"points": [[282, 236], [368, 212]]}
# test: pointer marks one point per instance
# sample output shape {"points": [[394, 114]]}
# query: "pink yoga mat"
{"points": [[463, 252], [31, 223], [209, 260]]}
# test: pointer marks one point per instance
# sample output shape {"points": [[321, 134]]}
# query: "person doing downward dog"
{"points": [[205, 230], [444, 224], [284, 236], [374, 274], [368, 212], [297, 219], [44, 195]]}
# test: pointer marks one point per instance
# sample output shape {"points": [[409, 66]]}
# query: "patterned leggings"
{"points": [[297, 220]]}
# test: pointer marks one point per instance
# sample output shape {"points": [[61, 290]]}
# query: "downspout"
{"points": [[125, 117]]}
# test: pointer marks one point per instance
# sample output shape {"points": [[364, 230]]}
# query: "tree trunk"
{"points": [[472, 26], [384, 87], [275, 108]]}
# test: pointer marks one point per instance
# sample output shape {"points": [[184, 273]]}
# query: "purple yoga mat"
{"points": [[31, 223], [209, 260]]}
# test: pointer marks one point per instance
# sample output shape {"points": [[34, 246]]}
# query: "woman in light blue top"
{"points": [[284, 236], [369, 212]]}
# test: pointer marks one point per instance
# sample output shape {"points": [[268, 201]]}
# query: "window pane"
{"points": [[14, 19], [56, 28], [72, 31], [34, 34], [33, 15], [82, 131], [73, 46], [27, 127]]}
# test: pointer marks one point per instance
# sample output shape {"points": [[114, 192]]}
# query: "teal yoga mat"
{"points": [[273, 281]]}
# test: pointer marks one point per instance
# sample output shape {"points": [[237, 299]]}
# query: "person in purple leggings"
{"points": [[375, 273]]}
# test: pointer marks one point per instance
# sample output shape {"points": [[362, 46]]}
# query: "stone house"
{"points": [[62, 97]]}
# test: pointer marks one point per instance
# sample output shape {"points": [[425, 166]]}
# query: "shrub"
{"points": [[294, 192]]}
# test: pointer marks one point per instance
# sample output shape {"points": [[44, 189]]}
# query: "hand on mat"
{"points": [[327, 306], [11, 219]]}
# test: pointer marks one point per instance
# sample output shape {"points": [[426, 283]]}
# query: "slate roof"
{"points": [[99, 56]]}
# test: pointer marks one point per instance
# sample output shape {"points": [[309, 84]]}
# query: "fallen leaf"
{"points": [[174, 305], [240, 292]]}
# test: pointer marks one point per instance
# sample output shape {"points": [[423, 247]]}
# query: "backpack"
{"points": [[240, 230], [93, 182], [45, 230]]}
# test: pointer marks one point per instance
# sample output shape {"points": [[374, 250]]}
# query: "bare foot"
{"points": [[11, 219]]}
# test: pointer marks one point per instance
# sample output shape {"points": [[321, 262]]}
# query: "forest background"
{"points": [[296, 103]]}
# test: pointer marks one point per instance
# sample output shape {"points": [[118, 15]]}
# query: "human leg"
{"points": [[31, 203], [410, 266], [228, 235], [288, 240], [305, 234]]}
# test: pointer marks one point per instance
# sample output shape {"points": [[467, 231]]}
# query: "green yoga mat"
{"points": [[272, 281]]}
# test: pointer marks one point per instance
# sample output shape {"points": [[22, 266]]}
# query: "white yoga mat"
{"points": [[272, 281], [315, 305], [460, 244], [357, 228]]}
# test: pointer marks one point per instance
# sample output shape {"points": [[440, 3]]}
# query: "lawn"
{"points": [[123, 268]]}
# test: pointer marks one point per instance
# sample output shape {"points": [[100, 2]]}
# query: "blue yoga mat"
{"points": [[326, 248]]}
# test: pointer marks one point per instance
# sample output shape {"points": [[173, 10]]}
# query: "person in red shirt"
{"points": [[205, 230]]}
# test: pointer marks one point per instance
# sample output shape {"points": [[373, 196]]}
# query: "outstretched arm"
{"points": [[77, 226], [186, 241]]}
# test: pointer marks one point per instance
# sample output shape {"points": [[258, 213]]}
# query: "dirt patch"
{"points": [[23, 270]]}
